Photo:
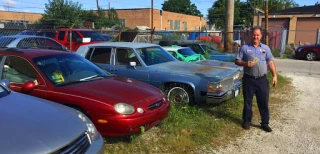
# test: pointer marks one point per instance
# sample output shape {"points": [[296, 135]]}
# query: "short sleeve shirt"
{"points": [[248, 52]]}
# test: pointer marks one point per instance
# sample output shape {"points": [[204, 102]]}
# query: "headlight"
{"points": [[236, 76], [124, 108], [214, 87], [93, 133]]}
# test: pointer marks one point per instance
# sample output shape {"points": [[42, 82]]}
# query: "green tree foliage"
{"points": [[181, 6], [217, 14], [113, 18], [243, 11], [61, 13], [273, 5]]}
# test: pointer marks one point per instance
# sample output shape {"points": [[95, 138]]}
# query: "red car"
{"points": [[308, 52], [118, 106]]}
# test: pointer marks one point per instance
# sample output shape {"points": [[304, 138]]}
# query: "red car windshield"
{"points": [[64, 69]]}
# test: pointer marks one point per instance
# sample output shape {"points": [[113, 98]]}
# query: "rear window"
{"points": [[4, 41], [186, 51], [93, 35]]}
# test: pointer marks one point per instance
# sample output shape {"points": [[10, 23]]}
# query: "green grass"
{"points": [[188, 129]]}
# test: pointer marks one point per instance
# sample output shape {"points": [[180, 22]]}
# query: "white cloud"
{"points": [[9, 3], [2, 9], [25, 10]]}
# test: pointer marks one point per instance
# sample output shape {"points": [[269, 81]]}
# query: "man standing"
{"points": [[256, 57]]}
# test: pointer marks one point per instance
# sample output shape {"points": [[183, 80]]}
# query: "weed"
{"points": [[191, 129]]}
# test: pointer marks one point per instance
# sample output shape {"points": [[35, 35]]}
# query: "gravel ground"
{"points": [[296, 131]]}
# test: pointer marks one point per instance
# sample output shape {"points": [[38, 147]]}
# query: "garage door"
{"points": [[306, 31]]}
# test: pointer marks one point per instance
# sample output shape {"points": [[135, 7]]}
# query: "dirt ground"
{"points": [[295, 131]]}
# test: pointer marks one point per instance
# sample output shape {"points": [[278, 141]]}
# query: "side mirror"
{"points": [[133, 64], [5, 82], [28, 86]]}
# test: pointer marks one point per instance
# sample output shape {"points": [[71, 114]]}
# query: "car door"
{"points": [[18, 71], [122, 59]]}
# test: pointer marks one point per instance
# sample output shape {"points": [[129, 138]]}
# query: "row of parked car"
{"points": [[110, 88]]}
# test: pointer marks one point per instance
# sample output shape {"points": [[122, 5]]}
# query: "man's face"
{"points": [[256, 37]]}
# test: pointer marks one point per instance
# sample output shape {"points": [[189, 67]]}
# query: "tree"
{"points": [[62, 13], [181, 6], [243, 13], [217, 15], [113, 18]]}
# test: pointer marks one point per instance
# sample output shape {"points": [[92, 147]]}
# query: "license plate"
{"points": [[236, 93]]}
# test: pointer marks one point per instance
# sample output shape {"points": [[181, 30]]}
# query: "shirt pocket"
{"points": [[263, 56]]}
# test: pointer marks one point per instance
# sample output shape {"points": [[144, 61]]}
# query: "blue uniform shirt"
{"points": [[247, 53]]}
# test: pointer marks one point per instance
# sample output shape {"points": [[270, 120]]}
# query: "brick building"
{"points": [[27, 17], [129, 17], [302, 23], [162, 20]]}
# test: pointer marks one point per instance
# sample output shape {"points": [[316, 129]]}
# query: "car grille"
{"points": [[78, 146], [227, 84], [154, 105]]}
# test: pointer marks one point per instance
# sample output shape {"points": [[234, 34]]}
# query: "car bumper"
{"points": [[97, 146], [119, 125], [299, 55], [212, 98]]}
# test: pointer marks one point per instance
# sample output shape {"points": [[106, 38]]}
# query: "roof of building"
{"points": [[301, 10]]}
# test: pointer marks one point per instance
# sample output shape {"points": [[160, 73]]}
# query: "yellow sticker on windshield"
{"points": [[57, 76]]}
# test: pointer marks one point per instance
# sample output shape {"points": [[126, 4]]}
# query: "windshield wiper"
{"points": [[98, 76]]}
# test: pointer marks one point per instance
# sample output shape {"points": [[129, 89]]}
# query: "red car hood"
{"points": [[114, 90]]}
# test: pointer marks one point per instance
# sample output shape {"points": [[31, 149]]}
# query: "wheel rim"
{"points": [[311, 56], [178, 95]]}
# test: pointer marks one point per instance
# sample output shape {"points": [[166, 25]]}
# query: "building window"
{"points": [[122, 22], [171, 24], [177, 25], [185, 26]]}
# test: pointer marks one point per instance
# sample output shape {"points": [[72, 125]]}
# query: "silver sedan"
{"points": [[31, 125]]}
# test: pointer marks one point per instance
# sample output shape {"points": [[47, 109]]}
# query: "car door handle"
{"points": [[113, 70]]}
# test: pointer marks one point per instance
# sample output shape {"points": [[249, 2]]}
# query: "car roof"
{"points": [[31, 53], [23, 36], [122, 44]]}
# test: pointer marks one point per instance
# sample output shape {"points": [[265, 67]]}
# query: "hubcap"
{"points": [[311, 56], [178, 95]]}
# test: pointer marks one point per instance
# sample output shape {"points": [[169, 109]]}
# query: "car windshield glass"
{"points": [[3, 91], [93, 35], [4, 41], [154, 55], [186, 51], [209, 48], [64, 69]]}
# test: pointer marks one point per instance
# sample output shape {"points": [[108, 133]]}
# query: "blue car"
{"points": [[182, 83], [211, 51]]}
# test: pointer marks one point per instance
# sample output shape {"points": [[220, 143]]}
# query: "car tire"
{"points": [[311, 56], [180, 94], [168, 43]]}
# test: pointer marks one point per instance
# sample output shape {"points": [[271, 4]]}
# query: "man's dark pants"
{"points": [[260, 88]]}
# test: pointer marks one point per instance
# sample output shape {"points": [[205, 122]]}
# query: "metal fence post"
{"points": [[318, 37], [283, 41]]}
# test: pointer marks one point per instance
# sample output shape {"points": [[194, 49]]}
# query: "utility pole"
{"points": [[98, 8], [266, 21], [152, 29], [228, 41]]}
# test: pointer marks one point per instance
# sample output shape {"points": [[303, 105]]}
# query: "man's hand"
{"points": [[274, 81], [249, 64]]}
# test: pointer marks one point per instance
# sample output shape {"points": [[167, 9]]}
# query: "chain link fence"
{"points": [[278, 39]]}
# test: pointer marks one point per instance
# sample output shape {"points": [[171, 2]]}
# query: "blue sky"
{"points": [[37, 6]]}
